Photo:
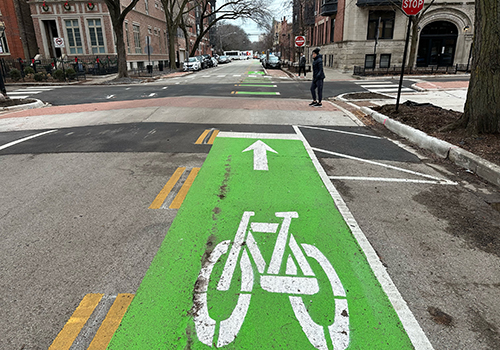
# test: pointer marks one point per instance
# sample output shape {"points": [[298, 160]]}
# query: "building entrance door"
{"points": [[437, 45], [51, 32]]}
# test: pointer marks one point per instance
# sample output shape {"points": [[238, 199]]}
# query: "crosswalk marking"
{"points": [[30, 90], [382, 87], [70, 331], [111, 322]]}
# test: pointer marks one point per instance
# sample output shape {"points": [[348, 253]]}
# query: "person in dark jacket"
{"points": [[302, 65], [318, 77]]}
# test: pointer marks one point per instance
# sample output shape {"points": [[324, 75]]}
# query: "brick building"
{"points": [[86, 29], [347, 32], [18, 41]]}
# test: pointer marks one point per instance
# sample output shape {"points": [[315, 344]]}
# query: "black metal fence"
{"points": [[462, 68], [75, 68]]}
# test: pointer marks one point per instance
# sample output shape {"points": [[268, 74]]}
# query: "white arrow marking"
{"points": [[260, 149]]}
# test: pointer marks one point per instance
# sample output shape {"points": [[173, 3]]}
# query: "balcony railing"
{"points": [[329, 8], [362, 3]]}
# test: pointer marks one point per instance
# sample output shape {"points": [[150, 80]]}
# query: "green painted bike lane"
{"points": [[180, 303]]}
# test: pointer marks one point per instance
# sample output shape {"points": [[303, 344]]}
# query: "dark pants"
{"points": [[319, 85], [302, 68]]}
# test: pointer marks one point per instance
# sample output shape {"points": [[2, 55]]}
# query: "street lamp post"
{"points": [[2, 85]]}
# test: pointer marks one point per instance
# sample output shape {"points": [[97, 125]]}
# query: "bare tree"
{"points": [[175, 10], [231, 37], [209, 16], [482, 108], [117, 18]]}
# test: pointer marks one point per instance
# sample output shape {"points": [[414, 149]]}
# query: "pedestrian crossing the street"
{"points": [[383, 87], [30, 91]]}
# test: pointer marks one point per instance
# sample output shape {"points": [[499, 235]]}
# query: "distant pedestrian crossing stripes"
{"points": [[30, 91], [383, 87]]}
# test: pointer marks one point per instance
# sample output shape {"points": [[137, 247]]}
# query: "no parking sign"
{"points": [[58, 42]]}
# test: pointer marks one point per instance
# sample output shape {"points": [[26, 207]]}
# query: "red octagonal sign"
{"points": [[412, 7], [300, 41]]}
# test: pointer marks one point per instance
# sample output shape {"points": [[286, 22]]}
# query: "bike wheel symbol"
{"points": [[205, 326]]}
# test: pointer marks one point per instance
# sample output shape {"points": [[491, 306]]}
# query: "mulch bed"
{"points": [[430, 119]]}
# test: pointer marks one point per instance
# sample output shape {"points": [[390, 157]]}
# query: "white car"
{"points": [[192, 64]]}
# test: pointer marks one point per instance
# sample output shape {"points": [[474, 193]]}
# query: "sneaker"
{"points": [[313, 103], [318, 104]]}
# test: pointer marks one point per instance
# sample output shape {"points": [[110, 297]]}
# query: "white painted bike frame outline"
{"points": [[291, 284]]}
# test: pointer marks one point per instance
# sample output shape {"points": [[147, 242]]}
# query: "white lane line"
{"points": [[18, 97], [410, 324], [341, 132], [380, 86], [33, 91], [165, 88], [206, 76], [237, 75], [221, 76], [128, 88], [384, 165], [20, 92], [25, 139], [250, 135], [388, 179], [372, 82]]}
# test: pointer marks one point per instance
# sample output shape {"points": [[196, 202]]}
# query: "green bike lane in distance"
{"points": [[162, 314]]}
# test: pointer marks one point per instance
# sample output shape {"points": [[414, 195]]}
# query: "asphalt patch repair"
{"points": [[431, 119]]}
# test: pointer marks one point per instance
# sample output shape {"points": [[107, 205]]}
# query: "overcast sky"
{"points": [[279, 8]]}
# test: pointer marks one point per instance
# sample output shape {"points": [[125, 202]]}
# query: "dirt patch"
{"points": [[15, 102], [430, 119], [469, 217], [439, 316], [223, 187]]}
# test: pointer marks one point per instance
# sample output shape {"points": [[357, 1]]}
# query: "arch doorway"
{"points": [[438, 41]]}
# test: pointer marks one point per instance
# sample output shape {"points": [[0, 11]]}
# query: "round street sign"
{"points": [[300, 40], [412, 7]]}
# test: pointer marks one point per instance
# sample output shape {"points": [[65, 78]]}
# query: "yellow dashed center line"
{"points": [[202, 137], [70, 331], [111, 322], [160, 198], [176, 203]]}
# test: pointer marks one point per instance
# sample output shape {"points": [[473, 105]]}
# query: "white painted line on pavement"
{"points": [[384, 165], [250, 135], [20, 92], [237, 75], [341, 132], [110, 97], [206, 76], [221, 76], [25, 139], [380, 86], [372, 82], [32, 91], [410, 324], [165, 88], [18, 97], [153, 94], [394, 90], [388, 179], [128, 88]]}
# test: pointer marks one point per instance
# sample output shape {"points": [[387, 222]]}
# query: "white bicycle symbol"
{"points": [[245, 243]]}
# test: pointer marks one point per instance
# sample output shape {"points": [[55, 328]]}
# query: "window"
{"points": [[96, 37], [332, 30], [370, 61], [4, 48], [126, 35], [385, 60], [384, 22], [74, 38], [137, 39], [146, 6]]}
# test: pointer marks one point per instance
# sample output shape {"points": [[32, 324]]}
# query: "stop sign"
{"points": [[412, 7], [300, 41]]}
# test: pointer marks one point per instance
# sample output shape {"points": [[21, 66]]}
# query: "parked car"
{"points": [[273, 62], [208, 61], [224, 59], [193, 63], [215, 62]]}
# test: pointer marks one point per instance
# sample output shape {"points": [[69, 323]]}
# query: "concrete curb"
{"points": [[32, 105], [483, 168]]}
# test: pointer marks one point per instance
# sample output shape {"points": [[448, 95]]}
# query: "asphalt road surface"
{"points": [[91, 188]]}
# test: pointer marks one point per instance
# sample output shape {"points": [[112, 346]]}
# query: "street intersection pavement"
{"points": [[324, 227]]}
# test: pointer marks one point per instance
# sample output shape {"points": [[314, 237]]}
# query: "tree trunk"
{"points": [[482, 109], [172, 39], [413, 40], [121, 51]]}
